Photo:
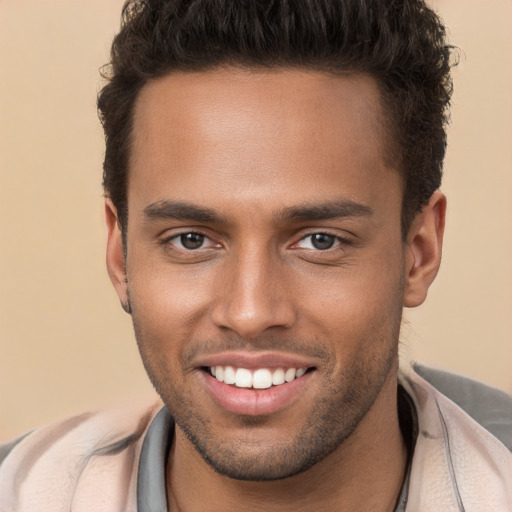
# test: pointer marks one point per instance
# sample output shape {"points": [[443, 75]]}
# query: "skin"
{"points": [[259, 151]]}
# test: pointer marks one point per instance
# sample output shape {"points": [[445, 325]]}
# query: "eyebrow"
{"points": [[178, 210], [330, 210]]}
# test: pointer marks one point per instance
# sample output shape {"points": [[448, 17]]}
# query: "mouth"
{"points": [[259, 378], [252, 390]]}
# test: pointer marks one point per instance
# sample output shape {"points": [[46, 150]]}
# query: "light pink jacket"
{"points": [[76, 466]]}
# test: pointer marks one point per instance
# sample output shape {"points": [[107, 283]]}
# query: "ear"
{"points": [[423, 251], [115, 254]]}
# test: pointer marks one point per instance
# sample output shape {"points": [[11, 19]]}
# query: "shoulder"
{"points": [[488, 406], [56, 466], [463, 430]]}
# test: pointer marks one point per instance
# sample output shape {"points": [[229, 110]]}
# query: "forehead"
{"points": [[298, 130]]}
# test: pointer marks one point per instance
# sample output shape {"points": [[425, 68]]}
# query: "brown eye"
{"points": [[322, 241], [191, 241], [188, 242], [319, 242]]}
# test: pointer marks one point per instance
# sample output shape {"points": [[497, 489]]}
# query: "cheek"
{"points": [[165, 317], [358, 307], [167, 305]]}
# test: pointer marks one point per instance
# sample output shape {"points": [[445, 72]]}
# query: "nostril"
{"points": [[251, 320]]}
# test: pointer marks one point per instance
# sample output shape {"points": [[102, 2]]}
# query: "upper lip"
{"points": [[254, 360]]}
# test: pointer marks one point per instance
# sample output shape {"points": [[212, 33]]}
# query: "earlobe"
{"points": [[423, 251], [115, 255]]}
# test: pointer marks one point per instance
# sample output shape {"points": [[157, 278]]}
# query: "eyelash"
{"points": [[167, 241], [338, 243]]}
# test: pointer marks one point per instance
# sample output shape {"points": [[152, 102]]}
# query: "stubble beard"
{"points": [[333, 420]]}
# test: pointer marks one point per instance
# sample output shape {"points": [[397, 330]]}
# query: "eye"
{"points": [[191, 241], [319, 242]]}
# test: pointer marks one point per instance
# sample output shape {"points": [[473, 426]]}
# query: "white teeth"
{"points": [[300, 372], [262, 378], [243, 378], [288, 376], [229, 375], [278, 377]]}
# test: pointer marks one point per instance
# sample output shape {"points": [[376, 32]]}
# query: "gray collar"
{"points": [[151, 483]]}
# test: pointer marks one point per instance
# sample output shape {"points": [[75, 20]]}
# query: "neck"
{"points": [[366, 472]]}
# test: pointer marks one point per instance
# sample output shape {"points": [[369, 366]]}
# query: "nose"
{"points": [[254, 294]]}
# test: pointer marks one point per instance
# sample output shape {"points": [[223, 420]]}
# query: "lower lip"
{"points": [[255, 402]]}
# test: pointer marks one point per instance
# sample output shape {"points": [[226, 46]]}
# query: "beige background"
{"points": [[65, 344]]}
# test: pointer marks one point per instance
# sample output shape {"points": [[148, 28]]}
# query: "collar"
{"points": [[151, 483]]}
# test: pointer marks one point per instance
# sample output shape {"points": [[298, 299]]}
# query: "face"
{"points": [[265, 266]]}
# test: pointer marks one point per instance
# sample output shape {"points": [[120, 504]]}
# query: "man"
{"points": [[272, 176]]}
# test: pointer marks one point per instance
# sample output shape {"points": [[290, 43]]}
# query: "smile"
{"points": [[261, 378], [254, 389]]}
